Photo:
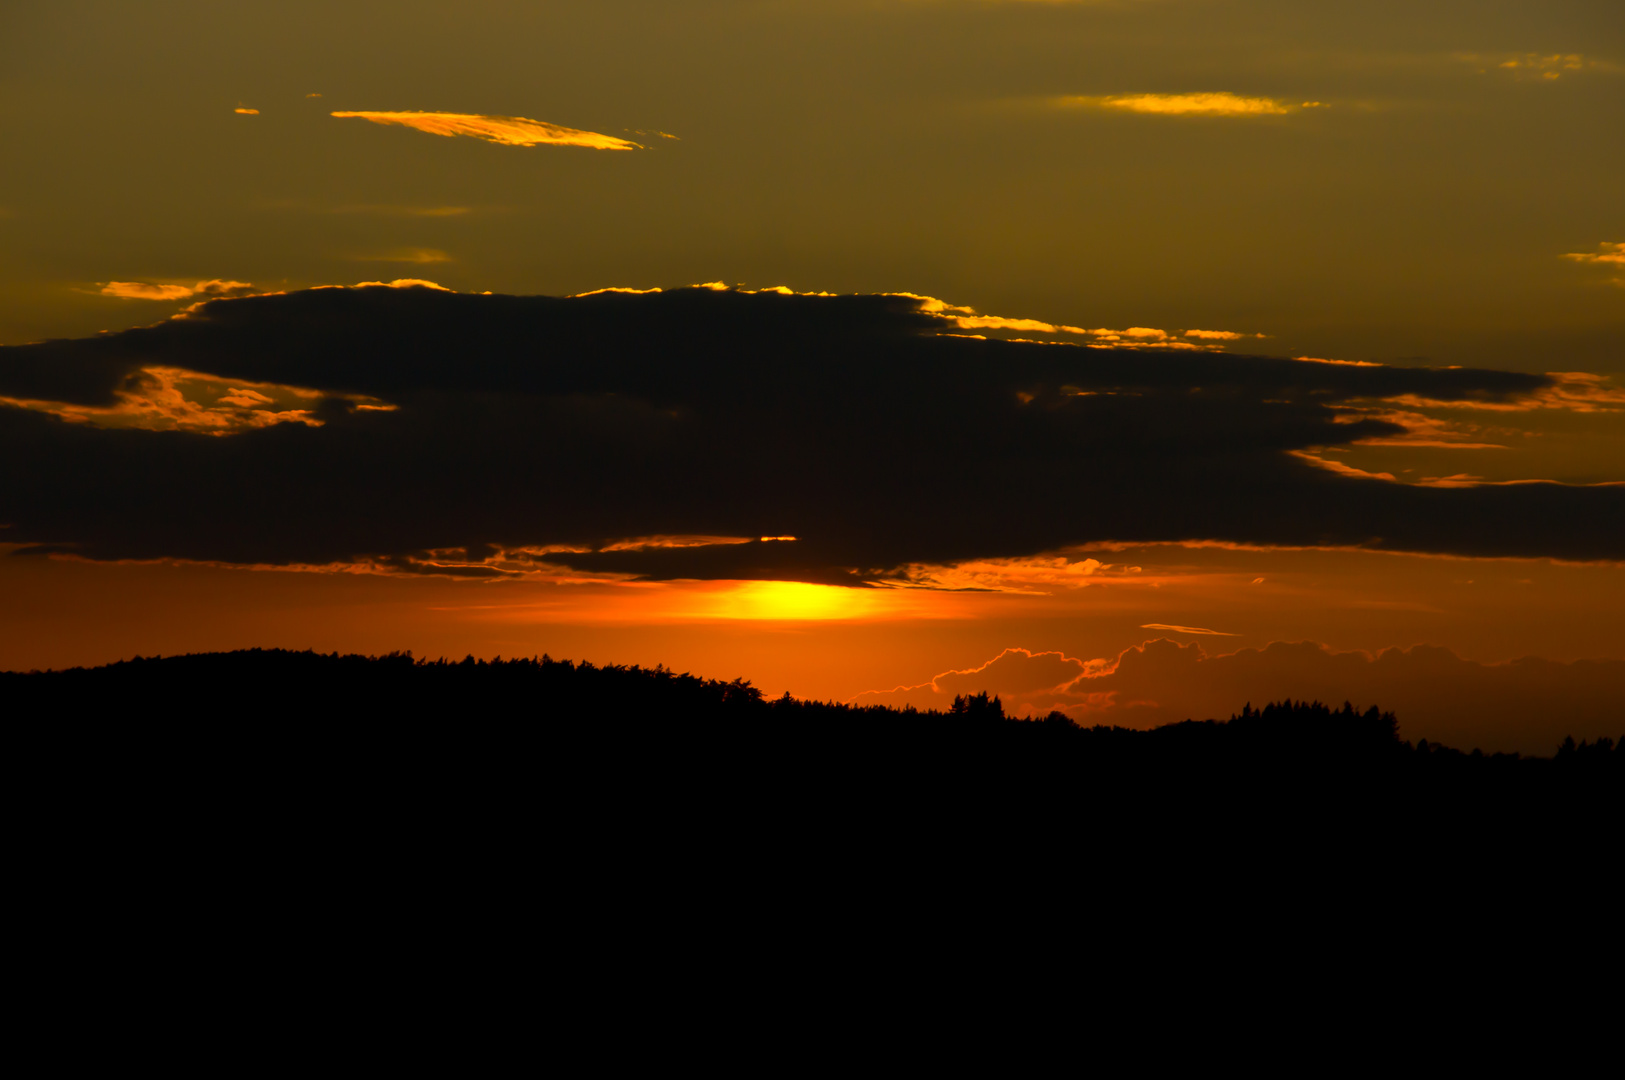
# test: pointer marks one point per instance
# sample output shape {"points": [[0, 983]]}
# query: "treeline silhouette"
{"points": [[626, 835], [359, 690], [357, 756]]}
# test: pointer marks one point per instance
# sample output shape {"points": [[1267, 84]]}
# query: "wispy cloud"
{"points": [[246, 112], [142, 290], [1611, 255], [966, 318], [1220, 335], [998, 322], [1333, 466], [1338, 363], [1144, 337], [1574, 391], [644, 543], [402, 283], [1455, 480], [1420, 430], [1547, 67], [420, 256], [173, 399], [1036, 575], [1185, 629], [403, 211], [1203, 104], [502, 130]]}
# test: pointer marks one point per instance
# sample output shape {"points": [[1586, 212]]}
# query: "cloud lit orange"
{"points": [[995, 322], [172, 399], [502, 130], [1185, 629], [403, 283], [141, 290], [644, 543], [1204, 104], [1611, 255]]}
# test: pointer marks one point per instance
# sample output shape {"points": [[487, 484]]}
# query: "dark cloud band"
{"points": [[846, 422]]}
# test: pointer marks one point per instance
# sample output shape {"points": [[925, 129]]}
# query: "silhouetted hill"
{"points": [[294, 805], [526, 728]]}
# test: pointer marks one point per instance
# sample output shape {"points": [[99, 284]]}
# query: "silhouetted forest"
{"points": [[540, 728], [305, 811]]}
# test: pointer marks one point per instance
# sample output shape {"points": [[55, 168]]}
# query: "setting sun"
{"points": [[792, 600]]}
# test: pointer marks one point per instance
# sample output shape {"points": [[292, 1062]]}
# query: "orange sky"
{"points": [[828, 642]]}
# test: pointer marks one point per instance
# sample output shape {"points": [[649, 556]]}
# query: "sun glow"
{"points": [[792, 600]]}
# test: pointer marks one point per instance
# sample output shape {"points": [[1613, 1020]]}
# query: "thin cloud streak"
{"points": [[141, 290], [162, 398], [502, 130], [404, 211], [400, 283], [1105, 337], [1171, 628], [1547, 67], [1222, 103], [408, 255], [1220, 335], [1573, 391]]}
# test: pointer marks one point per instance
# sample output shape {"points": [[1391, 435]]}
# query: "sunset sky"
{"points": [[1133, 358]]}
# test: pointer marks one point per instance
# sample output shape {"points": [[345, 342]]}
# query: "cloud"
{"points": [[403, 211], [1419, 429], [1220, 335], [246, 112], [490, 424], [171, 399], [1570, 391], [1134, 337], [141, 290], [403, 283], [995, 322], [644, 543], [1202, 104], [502, 130], [1611, 255], [1527, 705], [1545, 67], [1336, 467], [421, 256], [1015, 674], [1184, 629], [1035, 574]]}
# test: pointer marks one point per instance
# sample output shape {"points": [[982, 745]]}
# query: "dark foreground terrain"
{"points": [[679, 861], [601, 749]]}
